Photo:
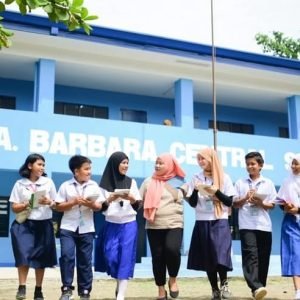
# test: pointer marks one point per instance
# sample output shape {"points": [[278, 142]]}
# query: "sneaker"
{"points": [[21, 293], [259, 293], [225, 292], [84, 295], [38, 295], [216, 295], [67, 294]]}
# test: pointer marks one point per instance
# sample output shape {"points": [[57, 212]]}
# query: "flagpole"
{"points": [[213, 61]]}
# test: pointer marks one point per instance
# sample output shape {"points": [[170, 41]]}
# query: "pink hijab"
{"points": [[157, 183]]}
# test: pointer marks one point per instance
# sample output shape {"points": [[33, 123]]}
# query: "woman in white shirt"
{"points": [[116, 246], [33, 239]]}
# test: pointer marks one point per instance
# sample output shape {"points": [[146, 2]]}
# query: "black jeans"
{"points": [[256, 250], [165, 247]]}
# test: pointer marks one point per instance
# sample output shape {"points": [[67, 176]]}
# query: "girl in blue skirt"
{"points": [[116, 246], [33, 239], [290, 229]]}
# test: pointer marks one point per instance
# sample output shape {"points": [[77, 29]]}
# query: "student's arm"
{"points": [[193, 199], [67, 205], [226, 200]]}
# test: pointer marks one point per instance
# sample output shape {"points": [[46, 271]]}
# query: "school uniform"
{"points": [[116, 244], [76, 235], [33, 241], [211, 238], [290, 228], [255, 229]]}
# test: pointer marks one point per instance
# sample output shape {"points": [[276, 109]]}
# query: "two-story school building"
{"points": [[64, 92]]}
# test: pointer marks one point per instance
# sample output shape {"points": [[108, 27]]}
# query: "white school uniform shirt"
{"points": [[204, 209], [78, 216], [23, 190], [251, 216], [116, 213]]}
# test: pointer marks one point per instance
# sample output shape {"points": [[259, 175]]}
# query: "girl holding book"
{"points": [[33, 239]]}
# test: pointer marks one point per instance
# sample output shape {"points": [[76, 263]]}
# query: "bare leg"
{"points": [[173, 284], [39, 276], [22, 273]]}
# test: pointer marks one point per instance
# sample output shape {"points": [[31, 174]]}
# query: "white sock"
{"points": [[122, 287], [297, 294]]}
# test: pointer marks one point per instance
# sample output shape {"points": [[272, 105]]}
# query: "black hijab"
{"points": [[111, 178]]}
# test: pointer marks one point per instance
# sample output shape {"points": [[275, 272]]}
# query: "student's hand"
{"points": [[112, 198], [45, 201], [212, 189], [290, 208]]}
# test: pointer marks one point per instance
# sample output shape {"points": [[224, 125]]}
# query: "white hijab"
{"points": [[290, 189]]}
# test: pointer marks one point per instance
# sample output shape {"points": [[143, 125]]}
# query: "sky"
{"points": [[235, 21]]}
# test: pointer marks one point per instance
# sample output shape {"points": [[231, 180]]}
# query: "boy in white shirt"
{"points": [[77, 198], [255, 197]]}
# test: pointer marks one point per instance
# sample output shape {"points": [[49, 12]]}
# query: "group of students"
{"points": [[210, 192]]}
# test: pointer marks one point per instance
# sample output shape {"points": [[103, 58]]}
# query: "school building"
{"points": [[64, 92]]}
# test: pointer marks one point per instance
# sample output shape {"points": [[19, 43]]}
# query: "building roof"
{"points": [[133, 63]]}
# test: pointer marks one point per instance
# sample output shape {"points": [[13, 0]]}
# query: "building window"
{"points": [[81, 110], [7, 102], [4, 216], [283, 132], [233, 127], [134, 115]]}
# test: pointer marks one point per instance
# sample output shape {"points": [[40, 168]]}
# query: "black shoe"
{"points": [[21, 293], [38, 295], [173, 294], [66, 293], [84, 295]]}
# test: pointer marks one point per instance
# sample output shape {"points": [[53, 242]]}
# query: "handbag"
{"points": [[22, 216]]}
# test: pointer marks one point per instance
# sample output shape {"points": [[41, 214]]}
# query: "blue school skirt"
{"points": [[290, 246], [115, 251], [210, 246], [33, 244]]}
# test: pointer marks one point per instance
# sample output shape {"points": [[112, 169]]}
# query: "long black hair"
{"points": [[24, 171]]}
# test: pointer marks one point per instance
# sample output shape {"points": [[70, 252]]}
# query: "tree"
{"points": [[71, 13], [279, 45]]}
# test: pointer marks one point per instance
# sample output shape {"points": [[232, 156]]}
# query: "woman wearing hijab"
{"points": [[290, 229], [163, 211], [211, 193], [116, 247]]}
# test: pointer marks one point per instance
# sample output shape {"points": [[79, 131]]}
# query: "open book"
{"points": [[93, 197], [201, 189], [280, 201], [260, 196], [36, 197], [121, 192]]}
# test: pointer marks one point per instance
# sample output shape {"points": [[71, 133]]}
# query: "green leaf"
{"points": [[77, 3], [32, 4], [87, 28], [48, 9], [62, 14], [23, 9], [7, 32], [2, 6], [9, 1], [84, 12], [90, 18]]}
